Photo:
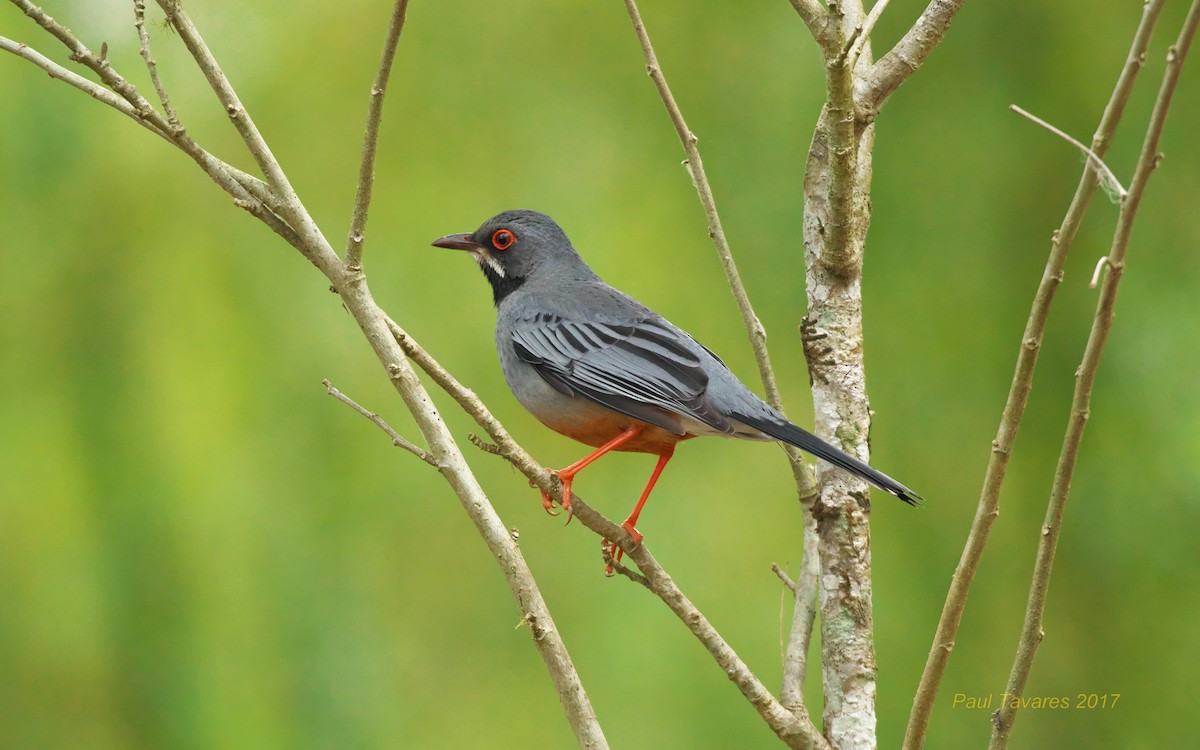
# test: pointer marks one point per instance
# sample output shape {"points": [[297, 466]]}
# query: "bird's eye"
{"points": [[502, 239]]}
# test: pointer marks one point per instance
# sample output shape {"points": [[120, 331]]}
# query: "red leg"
{"points": [[637, 509], [567, 475]]}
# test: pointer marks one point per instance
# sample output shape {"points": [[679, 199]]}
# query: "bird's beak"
{"points": [[458, 242]]}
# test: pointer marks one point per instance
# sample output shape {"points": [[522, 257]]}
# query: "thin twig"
{"points": [[97, 63], [87, 86], [1031, 632], [1108, 178], [139, 22], [484, 445], [782, 575], [1018, 394], [366, 170], [910, 53], [398, 440], [695, 168]]}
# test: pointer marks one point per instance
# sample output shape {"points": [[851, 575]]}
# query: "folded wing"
{"points": [[647, 370]]}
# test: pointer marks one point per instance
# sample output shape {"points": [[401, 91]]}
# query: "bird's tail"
{"points": [[809, 443]]}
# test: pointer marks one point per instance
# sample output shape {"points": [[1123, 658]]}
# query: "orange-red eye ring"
{"points": [[503, 239]]}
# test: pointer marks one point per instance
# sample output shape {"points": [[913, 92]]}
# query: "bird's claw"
{"points": [[548, 502]]}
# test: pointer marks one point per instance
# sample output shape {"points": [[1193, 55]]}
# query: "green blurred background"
{"points": [[199, 548]]}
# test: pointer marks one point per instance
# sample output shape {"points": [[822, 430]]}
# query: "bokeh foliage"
{"points": [[198, 548]]}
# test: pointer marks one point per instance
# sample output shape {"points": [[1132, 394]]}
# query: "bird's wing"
{"points": [[640, 369]]}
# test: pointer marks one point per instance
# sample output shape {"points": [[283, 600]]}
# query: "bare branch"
{"points": [[397, 439], [910, 53], [1107, 177], [1031, 632], [1018, 394], [87, 86], [366, 170]]}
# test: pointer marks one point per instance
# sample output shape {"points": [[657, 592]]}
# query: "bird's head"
{"points": [[515, 246]]}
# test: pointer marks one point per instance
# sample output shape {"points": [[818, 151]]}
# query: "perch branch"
{"points": [[366, 170], [794, 728], [1018, 394], [398, 440], [1031, 632]]}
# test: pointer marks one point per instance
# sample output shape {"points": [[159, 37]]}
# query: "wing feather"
{"points": [[641, 370]]}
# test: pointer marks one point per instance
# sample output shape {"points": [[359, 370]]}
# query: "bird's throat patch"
{"points": [[502, 284]]}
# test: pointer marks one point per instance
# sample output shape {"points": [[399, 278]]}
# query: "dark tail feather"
{"points": [[809, 443]]}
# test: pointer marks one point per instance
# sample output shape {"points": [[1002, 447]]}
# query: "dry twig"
{"points": [[398, 440]]}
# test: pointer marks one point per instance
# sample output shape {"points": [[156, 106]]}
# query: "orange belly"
{"points": [[595, 426]]}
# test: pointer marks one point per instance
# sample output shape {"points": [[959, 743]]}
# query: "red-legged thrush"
{"points": [[596, 365]]}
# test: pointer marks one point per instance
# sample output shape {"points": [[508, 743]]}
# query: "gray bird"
{"points": [[594, 364]]}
